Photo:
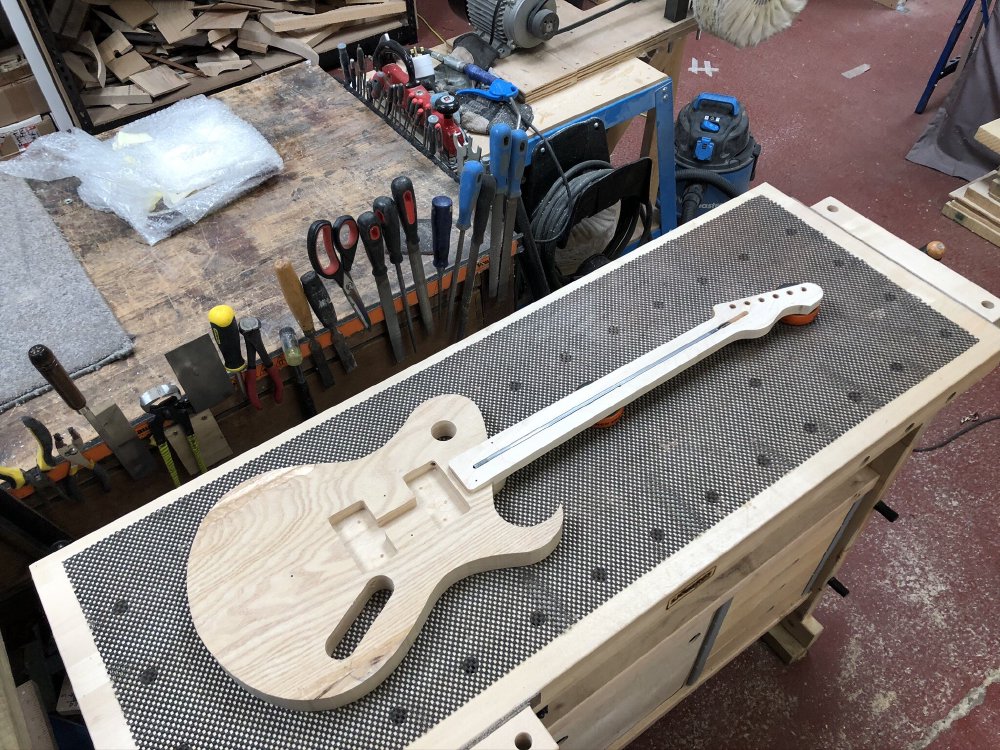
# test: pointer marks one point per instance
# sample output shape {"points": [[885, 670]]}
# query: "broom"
{"points": [[746, 23]]}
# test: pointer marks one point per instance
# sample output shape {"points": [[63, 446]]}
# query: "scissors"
{"points": [[340, 241]]}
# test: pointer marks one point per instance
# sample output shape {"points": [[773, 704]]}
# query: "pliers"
{"points": [[77, 459], [46, 461], [164, 402], [250, 328]]}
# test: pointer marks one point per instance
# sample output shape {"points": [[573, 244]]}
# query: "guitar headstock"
{"points": [[756, 315]]}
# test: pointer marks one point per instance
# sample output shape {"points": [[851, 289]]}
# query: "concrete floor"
{"points": [[911, 659]]}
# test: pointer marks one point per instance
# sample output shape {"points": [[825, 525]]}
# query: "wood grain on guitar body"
{"points": [[282, 565]]}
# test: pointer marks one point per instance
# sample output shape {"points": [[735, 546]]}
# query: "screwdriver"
{"points": [[483, 204], [468, 193], [295, 298], [518, 155], [440, 239], [345, 63], [406, 209], [227, 337], [500, 142], [322, 306], [293, 356], [385, 211], [371, 235]]}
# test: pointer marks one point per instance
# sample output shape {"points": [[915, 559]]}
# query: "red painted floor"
{"points": [[911, 659]]}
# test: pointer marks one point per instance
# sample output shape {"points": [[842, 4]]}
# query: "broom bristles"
{"points": [[746, 23]]}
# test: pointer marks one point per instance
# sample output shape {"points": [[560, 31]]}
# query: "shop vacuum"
{"points": [[715, 153]]}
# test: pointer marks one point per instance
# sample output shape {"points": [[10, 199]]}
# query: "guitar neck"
{"points": [[506, 452]]}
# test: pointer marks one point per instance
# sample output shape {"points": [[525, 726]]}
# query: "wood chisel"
{"points": [[322, 306], [483, 205], [371, 236], [518, 155], [500, 141], [440, 240], [385, 211], [110, 424], [293, 357], [468, 193], [406, 210], [222, 318], [299, 305]]}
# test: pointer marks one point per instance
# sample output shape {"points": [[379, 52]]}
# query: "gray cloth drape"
{"points": [[948, 144]]}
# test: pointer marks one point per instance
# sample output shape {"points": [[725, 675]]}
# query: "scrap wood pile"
{"points": [[127, 52], [976, 206]]}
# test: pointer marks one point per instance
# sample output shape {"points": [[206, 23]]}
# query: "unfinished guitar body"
{"points": [[283, 564]]}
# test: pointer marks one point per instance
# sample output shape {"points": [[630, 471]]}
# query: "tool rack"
{"points": [[754, 566]]}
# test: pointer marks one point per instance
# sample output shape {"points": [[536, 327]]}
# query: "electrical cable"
{"points": [[554, 211], [965, 430], [594, 16]]}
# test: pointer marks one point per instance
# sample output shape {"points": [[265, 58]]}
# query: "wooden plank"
{"points": [[980, 225], [78, 67], [173, 20], [222, 20], [110, 95], [976, 195], [133, 12], [254, 31], [386, 506], [124, 67], [989, 135], [158, 81], [609, 85], [285, 21], [115, 45], [171, 64]]}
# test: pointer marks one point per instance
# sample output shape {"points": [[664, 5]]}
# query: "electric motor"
{"points": [[508, 24]]}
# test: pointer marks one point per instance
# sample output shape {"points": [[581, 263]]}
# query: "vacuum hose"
{"points": [[693, 194]]}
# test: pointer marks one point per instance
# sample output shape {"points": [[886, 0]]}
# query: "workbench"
{"points": [[713, 513], [163, 299]]}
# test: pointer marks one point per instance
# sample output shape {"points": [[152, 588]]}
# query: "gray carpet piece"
{"points": [[47, 299]]}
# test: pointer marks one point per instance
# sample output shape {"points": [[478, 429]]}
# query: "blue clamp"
{"points": [[499, 91], [703, 149]]}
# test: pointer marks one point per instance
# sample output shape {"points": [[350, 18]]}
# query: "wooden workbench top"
{"points": [[338, 157]]}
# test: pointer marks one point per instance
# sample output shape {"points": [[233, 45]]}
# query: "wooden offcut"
{"points": [[127, 65], [158, 81], [989, 135], [285, 21], [133, 12], [282, 565], [111, 95]]}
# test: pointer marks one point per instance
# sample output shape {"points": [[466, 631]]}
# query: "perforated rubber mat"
{"points": [[684, 456]]}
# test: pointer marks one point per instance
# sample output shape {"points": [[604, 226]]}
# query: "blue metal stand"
{"points": [[949, 47], [657, 101]]}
